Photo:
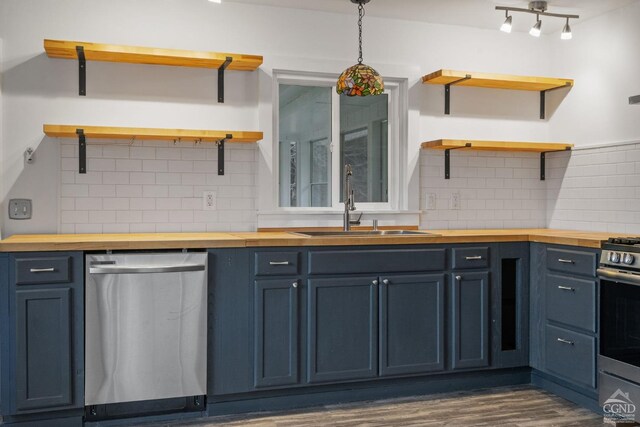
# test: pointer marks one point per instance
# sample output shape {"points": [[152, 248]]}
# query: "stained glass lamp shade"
{"points": [[360, 79]]}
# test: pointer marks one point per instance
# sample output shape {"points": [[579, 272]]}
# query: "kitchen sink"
{"points": [[364, 233]]}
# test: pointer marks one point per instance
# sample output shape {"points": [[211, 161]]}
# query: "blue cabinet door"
{"points": [[470, 320], [45, 345], [276, 339], [342, 329], [412, 324], [44, 368]]}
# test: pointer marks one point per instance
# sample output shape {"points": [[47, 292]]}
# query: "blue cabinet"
{"points": [[470, 320], [43, 355], [276, 340], [412, 324], [564, 319], [342, 329]]}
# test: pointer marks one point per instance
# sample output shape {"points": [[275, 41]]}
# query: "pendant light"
{"points": [[360, 79]]}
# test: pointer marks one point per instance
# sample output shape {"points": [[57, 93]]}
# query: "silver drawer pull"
{"points": [[473, 258], [278, 262], [563, 341], [42, 270], [565, 261], [566, 288]]}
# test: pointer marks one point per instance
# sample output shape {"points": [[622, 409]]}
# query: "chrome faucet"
{"points": [[349, 202]]}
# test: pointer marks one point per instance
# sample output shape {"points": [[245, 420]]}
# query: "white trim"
{"points": [[397, 91], [606, 145]]}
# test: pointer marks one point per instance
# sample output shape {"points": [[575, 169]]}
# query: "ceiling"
{"points": [[473, 13]]}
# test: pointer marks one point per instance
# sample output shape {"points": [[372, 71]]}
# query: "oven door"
{"points": [[620, 323]]}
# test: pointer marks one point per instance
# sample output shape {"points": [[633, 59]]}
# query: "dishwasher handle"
{"points": [[114, 269]]}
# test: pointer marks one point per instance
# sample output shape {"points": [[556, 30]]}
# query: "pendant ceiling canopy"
{"points": [[360, 79]]}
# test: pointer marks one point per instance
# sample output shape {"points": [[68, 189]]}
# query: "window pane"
{"points": [[364, 145], [305, 135]]}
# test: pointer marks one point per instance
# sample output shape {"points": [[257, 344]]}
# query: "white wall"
{"points": [[37, 90], [603, 59], [40, 90]]}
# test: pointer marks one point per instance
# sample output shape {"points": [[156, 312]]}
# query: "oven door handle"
{"points": [[633, 279]]}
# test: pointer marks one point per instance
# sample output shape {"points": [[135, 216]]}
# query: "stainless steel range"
{"points": [[619, 359]]}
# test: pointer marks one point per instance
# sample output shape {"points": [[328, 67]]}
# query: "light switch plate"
{"points": [[20, 209]]}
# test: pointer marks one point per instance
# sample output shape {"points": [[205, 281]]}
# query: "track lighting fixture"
{"points": [[537, 27], [506, 27], [566, 32], [538, 8]]}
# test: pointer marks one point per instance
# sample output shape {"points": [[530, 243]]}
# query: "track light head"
{"points": [[566, 32], [506, 27], [536, 30]]}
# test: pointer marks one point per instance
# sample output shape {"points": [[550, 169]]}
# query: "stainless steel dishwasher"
{"points": [[145, 326]]}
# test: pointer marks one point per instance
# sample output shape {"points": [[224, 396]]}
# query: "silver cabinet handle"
{"points": [[566, 288], [146, 269], [563, 341], [278, 262], [385, 281], [294, 284], [458, 277], [473, 258], [565, 261], [42, 270], [375, 282]]}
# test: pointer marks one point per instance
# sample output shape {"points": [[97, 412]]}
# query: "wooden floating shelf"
{"points": [[461, 144], [494, 81], [531, 147], [66, 49], [101, 132], [85, 51]]}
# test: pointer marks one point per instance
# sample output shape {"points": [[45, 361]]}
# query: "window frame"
{"points": [[396, 132]]}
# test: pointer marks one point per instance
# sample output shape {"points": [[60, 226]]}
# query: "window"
{"points": [[320, 131]]}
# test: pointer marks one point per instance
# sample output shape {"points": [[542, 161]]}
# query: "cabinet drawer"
{"points": [[571, 355], [33, 271], [277, 263], [470, 257], [572, 301], [572, 262], [376, 261]]}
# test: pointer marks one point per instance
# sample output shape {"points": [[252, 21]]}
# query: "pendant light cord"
{"points": [[360, 16]]}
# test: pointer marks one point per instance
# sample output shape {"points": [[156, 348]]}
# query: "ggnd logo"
{"points": [[619, 408]]}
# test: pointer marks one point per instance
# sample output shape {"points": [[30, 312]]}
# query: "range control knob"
{"points": [[628, 259], [614, 257]]}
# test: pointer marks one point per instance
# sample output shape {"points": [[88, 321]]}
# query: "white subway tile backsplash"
{"points": [[142, 178], [153, 186]]}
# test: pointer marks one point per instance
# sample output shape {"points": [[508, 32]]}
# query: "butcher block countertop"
{"points": [[101, 242]]}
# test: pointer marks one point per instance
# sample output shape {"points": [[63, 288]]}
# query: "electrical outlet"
{"points": [[430, 201], [209, 200], [20, 209], [455, 201]]}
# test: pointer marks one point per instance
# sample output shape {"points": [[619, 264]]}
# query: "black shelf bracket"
{"points": [[82, 71], [543, 161], [447, 93], [82, 151], [223, 67], [447, 160], [543, 99], [221, 153]]}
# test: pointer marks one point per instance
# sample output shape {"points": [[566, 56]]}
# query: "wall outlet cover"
{"points": [[20, 209], [430, 201], [455, 201], [209, 200]]}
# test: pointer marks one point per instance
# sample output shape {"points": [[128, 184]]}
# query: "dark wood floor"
{"points": [[521, 406]]}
